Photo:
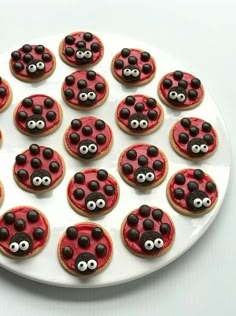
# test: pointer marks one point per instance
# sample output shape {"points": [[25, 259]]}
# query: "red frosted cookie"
{"points": [[24, 231], [93, 192], [38, 169], [32, 63], [84, 89], [139, 114], [181, 90], [1, 193], [193, 138], [88, 138], [38, 115], [133, 67], [143, 166], [148, 231], [5, 94], [192, 192], [81, 49], [85, 249]]}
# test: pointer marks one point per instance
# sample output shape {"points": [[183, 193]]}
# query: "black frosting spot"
{"points": [[109, 190], [74, 138], [157, 165], [19, 224], [79, 177], [145, 56], [102, 174], [130, 100], [118, 64], [72, 232], [167, 83], [210, 187], [4, 233], [165, 228], [22, 174], [84, 241], [185, 122], [193, 131], [87, 130], [192, 186], [38, 233], [195, 83], [69, 94], [124, 113], [127, 168], [133, 234], [91, 75], [33, 216], [36, 163], [131, 154], [192, 94], [206, 127], [76, 124], [67, 252], [152, 151], [198, 174], [78, 194], [48, 103], [93, 185], [148, 224], [101, 250], [179, 193], [142, 160], [178, 75], [47, 153], [180, 178], [125, 52], [54, 166], [20, 159], [147, 68], [9, 218], [97, 233], [132, 219], [70, 80], [157, 214], [144, 210]]}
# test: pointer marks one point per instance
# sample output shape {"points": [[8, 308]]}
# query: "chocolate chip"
{"points": [[78, 194], [124, 113], [33, 216], [9, 218], [101, 250], [167, 83], [48, 103], [102, 174], [179, 178], [97, 233], [152, 151], [71, 232], [47, 153], [178, 193], [84, 241], [79, 177], [142, 160], [93, 185], [125, 52], [144, 210], [157, 214], [19, 224], [109, 190], [148, 224], [129, 100], [20, 159], [76, 124], [127, 168], [74, 138], [67, 252], [34, 149], [165, 228], [70, 80], [157, 165], [198, 174], [133, 234], [132, 219], [178, 75], [38, 233], [185, 122]]}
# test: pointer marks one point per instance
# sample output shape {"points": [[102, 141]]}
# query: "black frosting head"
{"points": [[177, 95], [198, 200], [35, 124], [151, 241], [131, 73], [83, 56], [138, 122], [87, 149], [35, 68], [197, 147], [86, 263], [40, 179], [95, 202], [87, 97], [144, 176], [20, 244]]}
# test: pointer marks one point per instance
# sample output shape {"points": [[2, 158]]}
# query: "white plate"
{"points": [[124, 266]]}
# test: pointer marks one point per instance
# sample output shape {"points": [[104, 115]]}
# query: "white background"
{"points": [[201, 35]]}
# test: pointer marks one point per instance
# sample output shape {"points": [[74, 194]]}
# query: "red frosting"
{"points": [[188, 77], [178, 128], [4, 99], [55, 176], [188, 173], [91, 175], [48, 65], [38, 99], [21, 212], [142, 99], [82, 75], [135, 246], [78, 36], [88, 121], [85, 229]]}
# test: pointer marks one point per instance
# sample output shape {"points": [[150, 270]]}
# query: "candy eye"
{"points": [[206, 202], [197, 203], [92, 148], [40, 124], [134, 124], [87, 54], [173, 95], [92, 95], [158, 243], [141, 178], [149, 245], [14, 247], [83, 150], [40, 65], [127, 72], [82, 266], [46, 181], [31, 124], [135, 73], [24, 245], [204, 148], [91, 205], [181, 97], [37, 181], [92, 264], [149, 176], [100, 203], [143, 124], [195, 149], [79, 54], [32, 68], [83, 97]]}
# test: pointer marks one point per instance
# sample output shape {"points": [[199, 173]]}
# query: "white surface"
{"points": [[200, 34], [54, 203]]}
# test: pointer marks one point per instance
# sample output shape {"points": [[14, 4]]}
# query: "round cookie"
{"points": [[1, 193], [24, 231], [38, 115], [133, 67], [93, 192], [81, 49], [88, 138], [180, 90], [192, 192], [5, 94], [32, 63], [84, 90], [38, 169], [193, 138], [148, 231], [139, 114], [143, 166], [85, 249]]}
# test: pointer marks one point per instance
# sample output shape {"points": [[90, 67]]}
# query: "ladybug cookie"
{"points": [[24, 231], [192, 192], [88, 138], [5, 94], [84, 90], [38, 115], [32, 63], [143, 166], [180, 90], [85, 249], [81, 49], [38, 169], [193, 138], [148, 231], [139, 115], [133, 67], [93, 192]]}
